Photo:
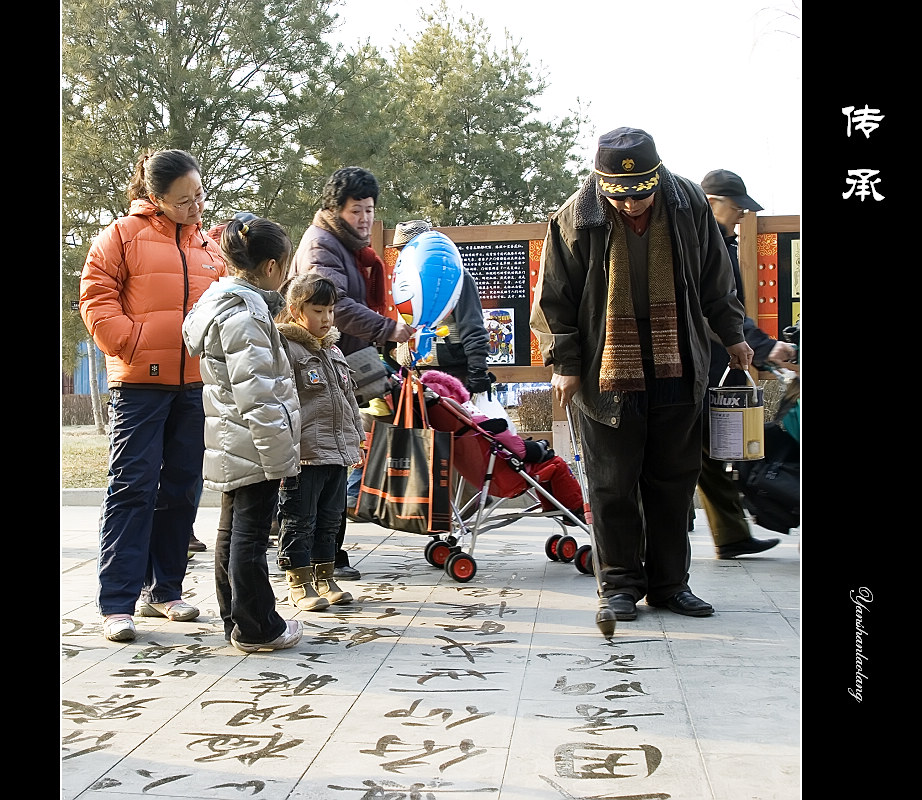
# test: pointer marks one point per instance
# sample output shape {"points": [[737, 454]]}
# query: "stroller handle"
{"points": [[577, 458]]}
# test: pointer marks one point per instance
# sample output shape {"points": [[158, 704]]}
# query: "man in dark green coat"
{"points": [[633, 273]]}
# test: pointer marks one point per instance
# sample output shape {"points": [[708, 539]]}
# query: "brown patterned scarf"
{"points": [[622, 366], [369, 263], [331, 221]]}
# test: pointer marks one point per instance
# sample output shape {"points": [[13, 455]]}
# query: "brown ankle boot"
{"points": [[327, 587], [301, 593]]}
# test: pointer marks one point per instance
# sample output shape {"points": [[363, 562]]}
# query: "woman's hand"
{"points": [[403, 332]]}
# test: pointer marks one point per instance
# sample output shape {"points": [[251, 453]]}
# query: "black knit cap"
{"points": [[626, 163]]}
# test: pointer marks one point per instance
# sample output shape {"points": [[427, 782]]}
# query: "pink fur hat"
{"points": [[445, 385]]}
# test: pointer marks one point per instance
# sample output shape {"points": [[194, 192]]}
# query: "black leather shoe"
{"points": [[685, 603], [624, 606], [346, 573], [745, 548]]}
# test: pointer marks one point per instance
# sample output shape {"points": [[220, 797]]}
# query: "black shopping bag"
{"points": [[771, 487], [406, 482]]}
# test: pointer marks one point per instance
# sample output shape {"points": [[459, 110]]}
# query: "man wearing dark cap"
{"points": [[633, 272], [719, 493]]}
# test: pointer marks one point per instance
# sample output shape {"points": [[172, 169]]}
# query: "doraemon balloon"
{"points": [[426, 286]]}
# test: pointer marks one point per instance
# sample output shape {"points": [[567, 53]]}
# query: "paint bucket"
{"points": [[737, 421]]}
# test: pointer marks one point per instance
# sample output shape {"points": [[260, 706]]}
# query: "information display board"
{"points": [[500, 270], [788, 280]]}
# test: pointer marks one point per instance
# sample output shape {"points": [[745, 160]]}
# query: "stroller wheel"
{"points": [[583, 559], [438, 553], [566, 549], [461, 567], [550, 547], [427, 552]]}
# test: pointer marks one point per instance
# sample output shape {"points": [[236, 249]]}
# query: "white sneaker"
{"points": [[119, 628], [292, 635], [175, 610]]}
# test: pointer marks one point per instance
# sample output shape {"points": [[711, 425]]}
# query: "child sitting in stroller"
{"points": [[541, 462]]}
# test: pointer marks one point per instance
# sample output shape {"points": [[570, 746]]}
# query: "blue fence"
{"points": [[82, 372]]}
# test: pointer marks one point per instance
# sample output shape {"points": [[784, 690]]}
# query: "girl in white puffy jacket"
{"points": [[252, 424]]}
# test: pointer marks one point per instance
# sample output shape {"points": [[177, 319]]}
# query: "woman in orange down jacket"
{"points": [[142, 275]]}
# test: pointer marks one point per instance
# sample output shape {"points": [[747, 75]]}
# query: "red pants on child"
{"points": [[557, 479]]}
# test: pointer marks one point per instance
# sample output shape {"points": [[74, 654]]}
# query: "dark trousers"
{"points": [[341, 559], [156, 444], [720, 495], [246, 600], [311, 511], [641, 478]]}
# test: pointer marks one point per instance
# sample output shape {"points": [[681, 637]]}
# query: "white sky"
{"points": [[717, 83]]}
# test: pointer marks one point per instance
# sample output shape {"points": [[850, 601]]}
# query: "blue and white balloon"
{"points": [[426, 286]]}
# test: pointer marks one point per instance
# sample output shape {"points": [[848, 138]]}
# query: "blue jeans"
{"points": [[246, 600], [311, 510], [353, 484], [156, 445]]}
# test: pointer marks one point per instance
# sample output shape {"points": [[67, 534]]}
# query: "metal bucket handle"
{"points": [[755, 389]]}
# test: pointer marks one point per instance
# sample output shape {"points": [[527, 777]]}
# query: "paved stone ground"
{"points": [[425, 688]]}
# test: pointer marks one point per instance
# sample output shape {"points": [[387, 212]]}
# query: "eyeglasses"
{"points": [[198, 200], [733, 206]]}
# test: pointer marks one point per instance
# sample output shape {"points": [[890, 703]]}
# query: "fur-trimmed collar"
{"points": [[589, 207], [295, 333]]}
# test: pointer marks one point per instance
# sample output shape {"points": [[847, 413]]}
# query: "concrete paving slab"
{"points": [[729, 776], [501, 688]]}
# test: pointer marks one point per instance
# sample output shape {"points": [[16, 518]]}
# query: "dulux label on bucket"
{"points": [[737, 423]]}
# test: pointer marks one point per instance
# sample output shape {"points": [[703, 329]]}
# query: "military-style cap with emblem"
{"points": [[626, 163]]}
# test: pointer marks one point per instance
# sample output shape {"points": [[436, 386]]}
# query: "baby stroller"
{"points": [[498, 476]]}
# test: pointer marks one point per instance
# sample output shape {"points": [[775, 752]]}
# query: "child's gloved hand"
{"points": [[538, 452], [494, 425]]}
